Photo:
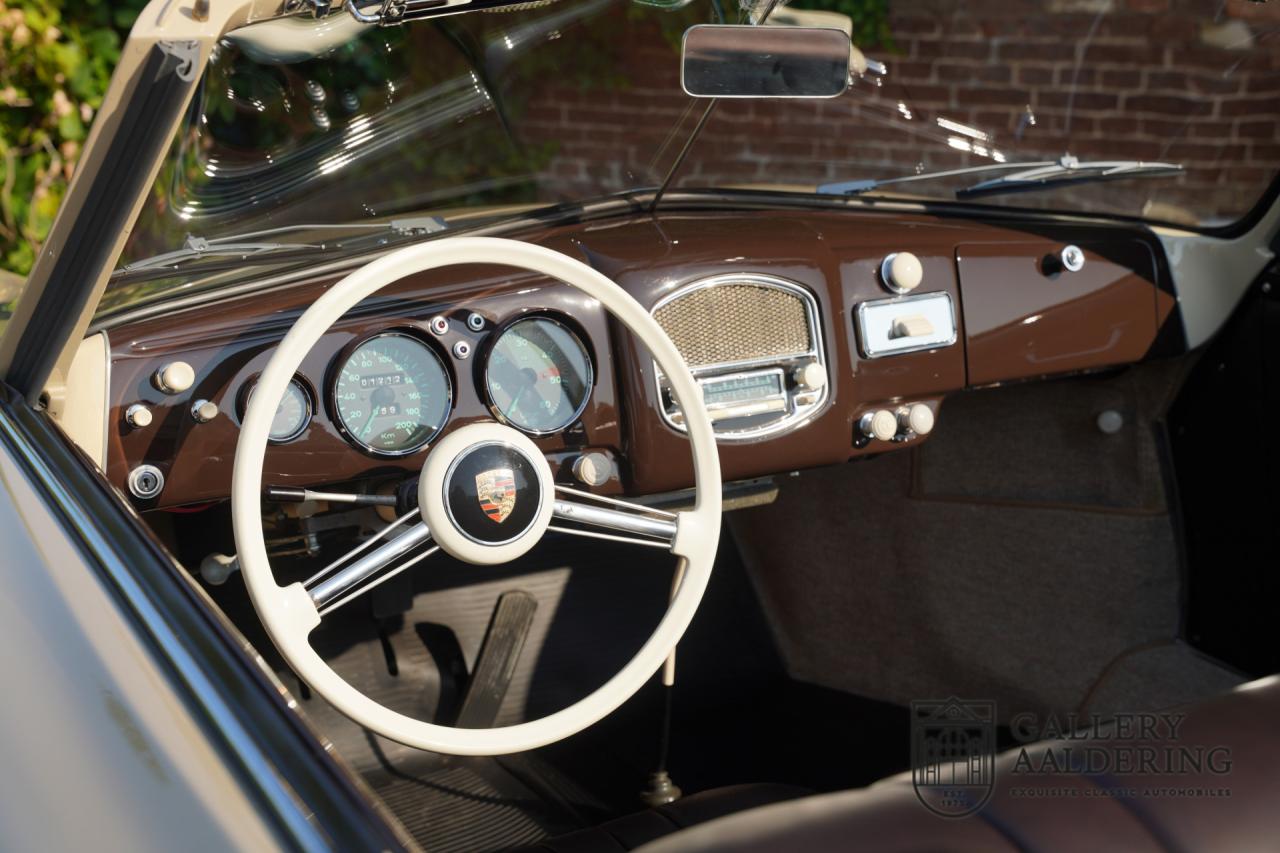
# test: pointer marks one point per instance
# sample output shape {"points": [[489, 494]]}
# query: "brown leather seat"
{"points": [[1182, 811]]}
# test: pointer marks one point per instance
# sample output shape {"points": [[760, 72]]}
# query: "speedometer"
{"points": [[392, 394], [538, 375]]}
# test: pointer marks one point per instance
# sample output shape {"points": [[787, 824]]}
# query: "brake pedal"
{"points": [[496, 664]]}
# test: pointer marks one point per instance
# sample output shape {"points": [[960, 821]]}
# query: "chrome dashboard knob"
{"points": [[916, 418], [203, 411], [901, 272], [593, 469], [138, 416], [880, 424], [174, 377]]}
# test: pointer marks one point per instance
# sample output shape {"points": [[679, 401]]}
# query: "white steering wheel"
{"points": [[462, 471]]}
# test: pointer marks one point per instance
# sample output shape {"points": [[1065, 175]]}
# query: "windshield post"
{"points": [[159, 68]]}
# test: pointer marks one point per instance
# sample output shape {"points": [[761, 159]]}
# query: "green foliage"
{"points": [[870, 19], [56, 58]]}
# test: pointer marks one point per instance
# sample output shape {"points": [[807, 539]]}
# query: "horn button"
{"points": [[492, 493], [486, 493]]}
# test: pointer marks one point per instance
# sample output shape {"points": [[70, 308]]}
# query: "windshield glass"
{"points": [[488, 115]]}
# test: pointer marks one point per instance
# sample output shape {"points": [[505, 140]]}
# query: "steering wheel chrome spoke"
{"points": [[647, 526], [348, 576]]}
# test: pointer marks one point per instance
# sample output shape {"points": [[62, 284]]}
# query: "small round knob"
{"points": [[811, 375], [1072, 258], [138, 415], [475, 322], [440, 325], [174, 378], [901, 272], [204, 411], [879, 424], [593, 469], [917, 418]]}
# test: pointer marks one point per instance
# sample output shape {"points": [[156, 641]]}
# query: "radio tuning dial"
{"points": [[880, 424], [811, 376], [901, 272]]}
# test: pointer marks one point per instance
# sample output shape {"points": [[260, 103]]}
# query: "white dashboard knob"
{"points": [[138, 415], [204, 411], [901, 272], [880, 424], [175, 377], [593, 469], [811, 375], [917, 418]]}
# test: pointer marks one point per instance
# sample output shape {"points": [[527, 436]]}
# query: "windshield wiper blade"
{"points": [[246, 246], [1069, 170], [1028, 175]]}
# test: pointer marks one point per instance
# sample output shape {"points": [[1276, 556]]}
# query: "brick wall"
{"points": [[1196, 83]]}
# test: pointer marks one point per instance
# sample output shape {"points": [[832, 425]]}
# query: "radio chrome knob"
{"points": [[880, 424], [174, 378], [916, 418], [812, 376], [901, 272]]}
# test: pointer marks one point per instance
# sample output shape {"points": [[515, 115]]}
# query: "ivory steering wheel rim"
{"points": [[288, 612]]}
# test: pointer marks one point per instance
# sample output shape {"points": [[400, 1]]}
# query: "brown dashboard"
{"points": [[1017, 314]]}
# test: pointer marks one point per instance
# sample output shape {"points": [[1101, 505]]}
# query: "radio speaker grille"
{"points": [[731, 322]]}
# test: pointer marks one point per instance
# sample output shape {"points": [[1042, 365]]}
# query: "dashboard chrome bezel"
{"points": [[331, 388], [578, 335]]}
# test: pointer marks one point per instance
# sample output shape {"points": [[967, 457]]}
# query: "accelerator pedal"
{"points": [[499, 654]]}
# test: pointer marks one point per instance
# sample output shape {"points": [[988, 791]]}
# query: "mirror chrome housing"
{"points": [[736, 61]]}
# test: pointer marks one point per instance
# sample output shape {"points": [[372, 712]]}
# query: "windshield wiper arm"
{"points": [[1069, 170], [244, 245], [1028, 175]]}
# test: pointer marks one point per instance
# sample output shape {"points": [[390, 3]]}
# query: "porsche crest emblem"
{"points": [[496, 491]]}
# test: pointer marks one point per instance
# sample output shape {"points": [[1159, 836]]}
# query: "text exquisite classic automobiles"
{"points": [[404, 382]]}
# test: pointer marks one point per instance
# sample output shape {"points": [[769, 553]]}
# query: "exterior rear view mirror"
{"points": [[732, 61]]}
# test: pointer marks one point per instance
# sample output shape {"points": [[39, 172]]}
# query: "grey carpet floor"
{"points": [[1014, 558]]}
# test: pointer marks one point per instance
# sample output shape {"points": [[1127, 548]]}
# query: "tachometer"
{"points": [[538, 375], [392, 394]]}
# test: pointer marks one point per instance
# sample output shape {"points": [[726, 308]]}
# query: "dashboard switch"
{"points": [[812, 376], [203, 411], [593, 469], [138, 416], [901, 272], [916, 418], [174, 377], [880, 424], [915, 326]]}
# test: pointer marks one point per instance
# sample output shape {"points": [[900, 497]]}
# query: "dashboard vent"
{"points": [[736, 321]]}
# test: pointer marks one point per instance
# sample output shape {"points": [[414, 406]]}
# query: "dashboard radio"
{"points": [[754, 346]]}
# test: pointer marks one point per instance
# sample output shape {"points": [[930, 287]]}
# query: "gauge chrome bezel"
{"points": [[576, 333], [308, 394], [296, 382], [335, 368]]}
